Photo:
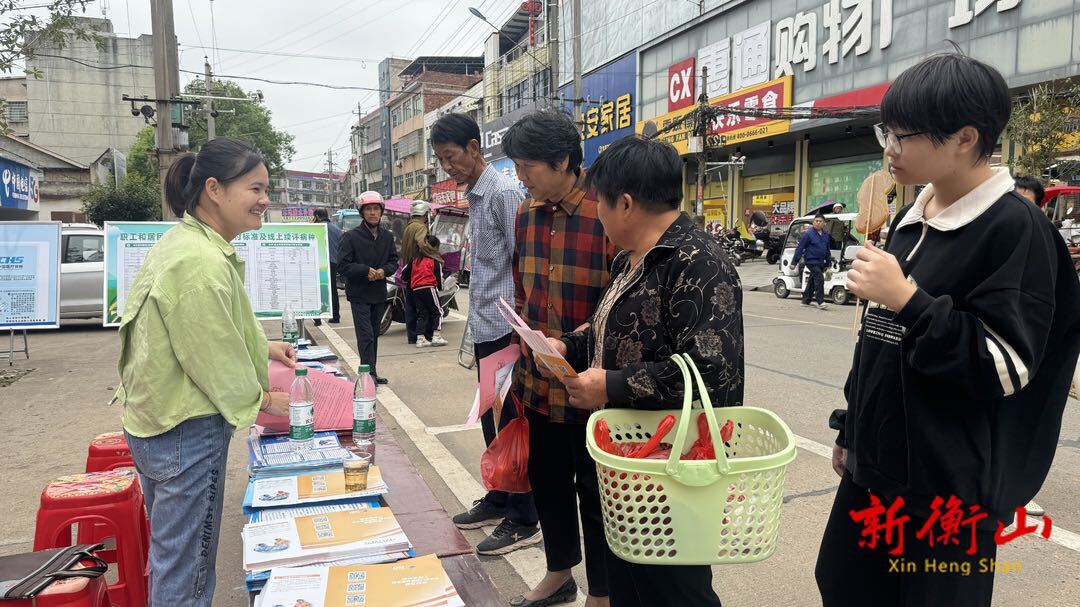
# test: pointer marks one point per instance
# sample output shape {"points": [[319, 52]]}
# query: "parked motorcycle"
{"points": [[395, 301]]}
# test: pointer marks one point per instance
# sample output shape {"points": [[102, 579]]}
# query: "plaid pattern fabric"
{"points": [[561, 265], [493, 207]]}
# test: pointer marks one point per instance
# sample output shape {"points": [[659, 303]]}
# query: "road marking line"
{"points": [[529, 563], [801, 322], [437, 430]]}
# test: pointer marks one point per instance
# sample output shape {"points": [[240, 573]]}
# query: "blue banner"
{"points": [[506, 167], [29, 275], [18, 186], [607, 115]]}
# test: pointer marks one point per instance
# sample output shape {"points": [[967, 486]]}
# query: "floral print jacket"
{"points": [[688, 299]]}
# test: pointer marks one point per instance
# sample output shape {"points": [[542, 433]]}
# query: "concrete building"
{"points": [[53, 185], [445, 190], [369, 153], [389, 83], [77, 111], [299, 193], [15, 112], [429, 83], [517, 63]]}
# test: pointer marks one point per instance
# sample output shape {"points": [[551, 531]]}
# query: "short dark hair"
{"points": [[649, 170], [321, 215], [820, 216], [1028, 182], [457, 129], [545, 135], [944, 93], [223, 159]]}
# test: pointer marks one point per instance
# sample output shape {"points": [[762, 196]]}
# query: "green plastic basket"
{"points": [[701, 512]]}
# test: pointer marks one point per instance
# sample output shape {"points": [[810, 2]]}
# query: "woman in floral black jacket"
{"points": [[672, 290]]}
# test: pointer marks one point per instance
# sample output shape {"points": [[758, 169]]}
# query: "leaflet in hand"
{"points": [[536, 341], [416, 582], [304, 489], [305, 540]]}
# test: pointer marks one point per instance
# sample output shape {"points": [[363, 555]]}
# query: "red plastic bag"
{"points": [[505, 463]]}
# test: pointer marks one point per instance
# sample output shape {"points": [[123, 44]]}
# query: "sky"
{"points": [[349, 36]]}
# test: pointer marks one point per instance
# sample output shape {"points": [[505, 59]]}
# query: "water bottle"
{"points": [[364, 411], [289, 332], [301, 411]]}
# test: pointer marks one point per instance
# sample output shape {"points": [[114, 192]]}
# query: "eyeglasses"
{"points": [[886, 137]]}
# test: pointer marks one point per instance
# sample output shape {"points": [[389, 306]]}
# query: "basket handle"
{"points": [[696, 475]]}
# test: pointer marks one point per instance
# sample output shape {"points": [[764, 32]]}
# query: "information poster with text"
{"points": [[283, 264], [29, 275]]}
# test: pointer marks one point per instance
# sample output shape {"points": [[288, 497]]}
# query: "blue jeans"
{"points": [[183, 477]]}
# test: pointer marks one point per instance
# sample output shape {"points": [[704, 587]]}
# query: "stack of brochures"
{"points": [[256, 581], [278, 456], [326, 486], [416, 582], [295, 541]]}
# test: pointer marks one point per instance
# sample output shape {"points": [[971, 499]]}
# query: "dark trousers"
{"points": [[366, 319], [563, 479], [815, 285], [410, 314], [848, 574], [428, 311], [634, 585], [335, 303], [519, 506]]}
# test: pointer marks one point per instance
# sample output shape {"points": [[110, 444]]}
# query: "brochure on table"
{"points": [[279, 456], [285, 263], [30, 274], [311, 539], [416, 582], [306, 489]]}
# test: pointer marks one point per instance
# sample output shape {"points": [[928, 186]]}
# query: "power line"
{"points": [[299, 32], [213, 33], [194, 23]]}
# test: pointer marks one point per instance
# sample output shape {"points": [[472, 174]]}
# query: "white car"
{"points": [[82, 270]]}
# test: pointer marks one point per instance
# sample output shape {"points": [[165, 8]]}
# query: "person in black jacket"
{"points": [[962, 368], [366, 257], [672, 290]]}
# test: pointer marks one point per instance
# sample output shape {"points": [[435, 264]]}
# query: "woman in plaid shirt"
{"points": [[561, 262]]}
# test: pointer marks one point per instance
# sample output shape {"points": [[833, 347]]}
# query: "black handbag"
{"points": [[23, 576]]}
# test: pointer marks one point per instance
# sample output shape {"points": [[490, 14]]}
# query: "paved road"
{"points": [[796, 359]]}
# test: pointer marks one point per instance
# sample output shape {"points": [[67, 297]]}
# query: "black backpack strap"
{"points": [[56, 566]]}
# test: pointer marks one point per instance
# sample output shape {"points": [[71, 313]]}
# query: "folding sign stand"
{"points": [[11, 351], [465, 356]]}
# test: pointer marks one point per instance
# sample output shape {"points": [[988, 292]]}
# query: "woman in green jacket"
{"points": [[193, 363]]}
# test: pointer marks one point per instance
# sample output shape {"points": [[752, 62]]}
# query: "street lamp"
{"points": [[476, 13]]}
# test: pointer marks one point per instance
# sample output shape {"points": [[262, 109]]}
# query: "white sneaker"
{"points": [[1034, 509], [422, 342], [822, 306], [804, 304], [437, 340]]}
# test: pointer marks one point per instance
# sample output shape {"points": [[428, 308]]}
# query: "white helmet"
{"points": [[370, 197], [420, 209]]}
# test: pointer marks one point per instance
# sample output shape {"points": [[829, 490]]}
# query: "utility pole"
{"points": [[577, 57], [166, 87], [330, 176], [553, 47], [211, 115], [703, 155]]}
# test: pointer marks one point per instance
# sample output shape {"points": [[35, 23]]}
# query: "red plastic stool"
{"points": [[107, 452], [74, 592], [112, 499]]}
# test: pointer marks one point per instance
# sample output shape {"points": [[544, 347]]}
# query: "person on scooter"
{"points": [[412, 242], [814, 247], [366, 257]]}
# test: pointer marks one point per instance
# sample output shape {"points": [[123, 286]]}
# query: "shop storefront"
{"points": [[607, 112], [449, 192], [828, 55], [19, 196]]}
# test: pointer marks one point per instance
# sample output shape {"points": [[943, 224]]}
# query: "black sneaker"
{"points": [[381, 381], [479, 515], [509, 537]]}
